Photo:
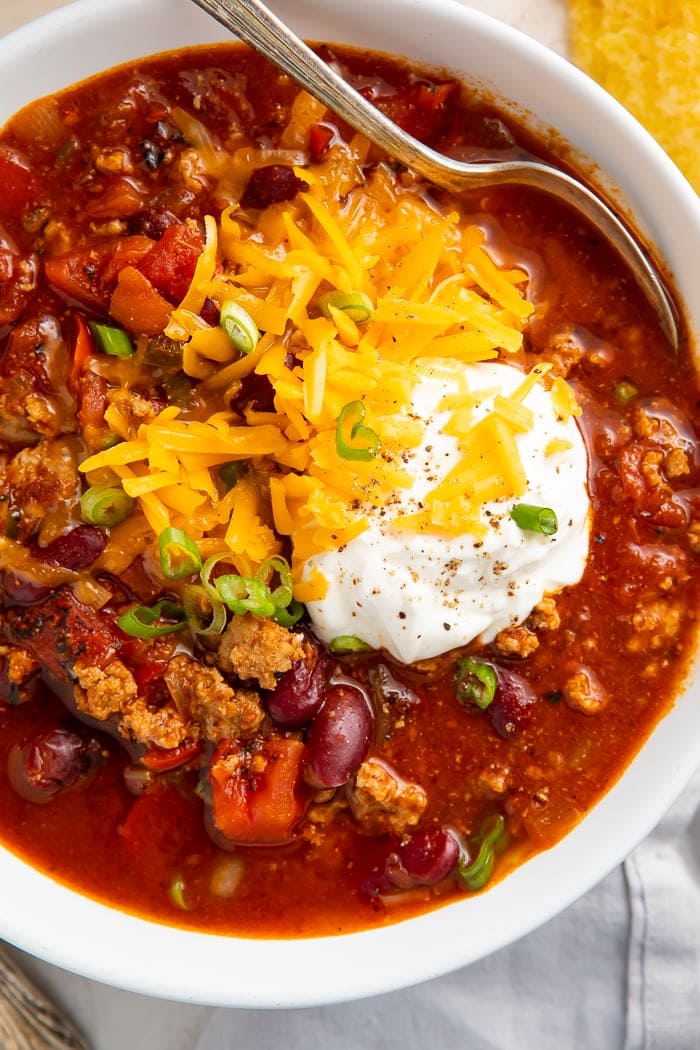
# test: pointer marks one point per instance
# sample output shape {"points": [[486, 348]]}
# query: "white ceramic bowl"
{"points": [[64, 928]]}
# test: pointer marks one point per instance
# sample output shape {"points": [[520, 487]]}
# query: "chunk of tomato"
{"points": [[257, 797], [170, 265], [17, 182], [88, 275]]}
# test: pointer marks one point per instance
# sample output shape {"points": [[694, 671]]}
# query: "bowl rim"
{"points": [[139, 955]]}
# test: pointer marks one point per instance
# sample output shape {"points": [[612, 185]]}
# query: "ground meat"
{"points": [[694, 536], [19, 664], [583, 692], [381, 801], [516, 641], [161, 726], [18, 675], [259, 649], [544, 617], [563, 353], [102, 693], [38, 479], [493, 782], [201, 693], [656, 624], [676, 464], [134, 408]]}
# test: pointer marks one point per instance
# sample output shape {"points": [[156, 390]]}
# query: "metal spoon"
{"points": [[254, 23]]}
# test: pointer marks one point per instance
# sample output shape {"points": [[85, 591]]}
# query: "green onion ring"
{"points": [[239, 327], [368, 444], [205, 617], [475, 682], [105, 505], [282, 594], [356, 305], [291, 615], [179, 555], [243, 594], [139, 621]]}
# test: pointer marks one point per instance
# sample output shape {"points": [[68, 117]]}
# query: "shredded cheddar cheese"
{"points": [[438, 299]]}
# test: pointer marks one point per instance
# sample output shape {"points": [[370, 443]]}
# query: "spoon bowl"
{"points": [[253, 22]]}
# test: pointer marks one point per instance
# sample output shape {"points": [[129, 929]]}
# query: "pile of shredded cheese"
{"points": [[436, 294], [647, 54]]}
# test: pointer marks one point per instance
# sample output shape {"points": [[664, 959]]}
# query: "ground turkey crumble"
{"points": [[258, 649], [381, 801]]}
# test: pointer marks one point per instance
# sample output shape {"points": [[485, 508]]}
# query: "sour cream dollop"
{"points": [[418, 595]]}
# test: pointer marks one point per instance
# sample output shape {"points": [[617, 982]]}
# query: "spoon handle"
{"points": [[28, 1020], [262, 30]]}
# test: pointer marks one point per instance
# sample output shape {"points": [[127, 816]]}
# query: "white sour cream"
{"points": [[418, 595]]}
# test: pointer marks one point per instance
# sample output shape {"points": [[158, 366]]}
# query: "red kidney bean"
{"points": [[300, 692], [271, 184], [49, 764], [18, 590], [511, 708], [73, 550], [339, 737], [426, 859]]}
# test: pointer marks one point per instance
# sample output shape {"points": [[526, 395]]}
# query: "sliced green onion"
{"points": [[291, 615], [625, 392], [144, 621], [491, 841], [206, 571], [228, 474], [176, 892], [105, 505], [475, 682], [534, 519], [239, 327], [348, 643], [367, 443], [112, 340], [356, 305], [179, 555], [282, 594], [205, 617], [243, 594]]}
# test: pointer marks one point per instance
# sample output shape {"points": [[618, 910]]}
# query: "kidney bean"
{"points": [[49, 764], [426, 859], [18, 590], [73, 550], [271, 184], [339, 737], [511, 708], [300, 692]]}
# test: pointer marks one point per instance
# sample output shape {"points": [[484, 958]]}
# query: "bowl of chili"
{"points": [[242, 798]]}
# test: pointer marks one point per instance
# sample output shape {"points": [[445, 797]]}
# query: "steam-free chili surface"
{"points": [[102, 163]]}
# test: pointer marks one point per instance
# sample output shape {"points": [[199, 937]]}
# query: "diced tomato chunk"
{"points": [[17, 182], [137, 306], [257, 798], [89, 274], [170, 265]]}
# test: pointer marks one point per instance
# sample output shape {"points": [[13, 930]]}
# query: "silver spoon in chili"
{"points": [[255, 24]]}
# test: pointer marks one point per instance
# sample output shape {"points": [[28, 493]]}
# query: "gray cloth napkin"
{"points": [[619, 970]]}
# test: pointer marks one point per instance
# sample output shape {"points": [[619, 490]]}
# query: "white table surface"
{"points": [[619, 969]]}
